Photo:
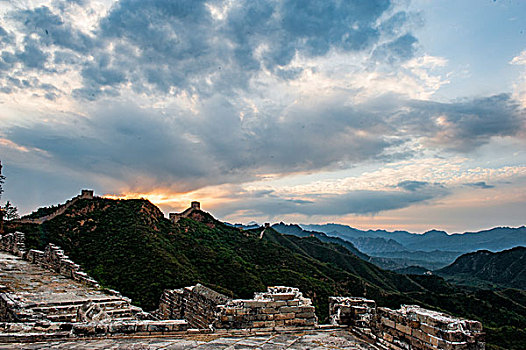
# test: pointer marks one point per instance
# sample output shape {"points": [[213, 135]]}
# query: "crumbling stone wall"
{"points": [[278, 308], [413, 327], [410, 327], [13, 243], [352, 311], [197, 305]]}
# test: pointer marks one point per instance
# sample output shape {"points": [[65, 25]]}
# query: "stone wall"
{"points": [[13, 243], [413, 327], [352, 311], [84, 194], [197, 305], [52, 258], [278, 308], [410, 327]]}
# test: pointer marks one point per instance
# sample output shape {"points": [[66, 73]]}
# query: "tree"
{"points": [[2, 179], [10, 212]]}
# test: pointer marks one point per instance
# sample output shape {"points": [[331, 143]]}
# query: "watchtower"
{"points": [[196, 205], [88, 194]]}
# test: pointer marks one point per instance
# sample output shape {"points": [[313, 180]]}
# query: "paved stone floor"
{"points": [[313, 340], [29, 283]]}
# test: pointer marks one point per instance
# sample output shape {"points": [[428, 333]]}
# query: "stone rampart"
{"points": [[410, 327], [203, 308], [413, 327]]}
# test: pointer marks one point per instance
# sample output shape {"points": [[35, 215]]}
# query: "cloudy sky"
{"points": [[379, 114]]}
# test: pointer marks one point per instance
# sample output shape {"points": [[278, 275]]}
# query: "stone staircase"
{"points": [[68, 310]]}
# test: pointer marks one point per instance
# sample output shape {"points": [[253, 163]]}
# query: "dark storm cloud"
{"points": [[410, 185], [353, 202], [216, 146], [32, 56], [480, 184]]}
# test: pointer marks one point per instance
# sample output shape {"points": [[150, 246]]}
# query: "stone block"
{"points": [[387, 322], [268, 310], [287, 309], [285, 316], [283, 296], [278, 304]]}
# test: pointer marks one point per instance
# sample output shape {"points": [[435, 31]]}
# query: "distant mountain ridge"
{"points": [[506, 268], [495, 239], [295, 230]]}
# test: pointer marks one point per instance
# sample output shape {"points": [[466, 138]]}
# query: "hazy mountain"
{"points": [[298, 231], [495, 239]]}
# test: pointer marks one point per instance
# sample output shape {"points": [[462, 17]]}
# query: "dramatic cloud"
{"points": [[352, 202], [137, 95]]}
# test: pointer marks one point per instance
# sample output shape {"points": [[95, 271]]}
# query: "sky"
{"points": [[379, 114]]}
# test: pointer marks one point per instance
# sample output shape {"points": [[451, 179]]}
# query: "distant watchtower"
{"points": [[88, 194], [174, 217]]}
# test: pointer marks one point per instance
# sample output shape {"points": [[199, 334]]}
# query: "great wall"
{"points": [[44, 296]]}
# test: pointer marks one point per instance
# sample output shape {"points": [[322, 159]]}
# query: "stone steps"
{"points": [[74, 306], [66, 311]]}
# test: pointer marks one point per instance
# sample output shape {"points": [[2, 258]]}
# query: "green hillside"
{"points": [[128, 245], [504, 269]]}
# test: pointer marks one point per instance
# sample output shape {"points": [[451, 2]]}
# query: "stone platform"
{"points": [[314, 340]]}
